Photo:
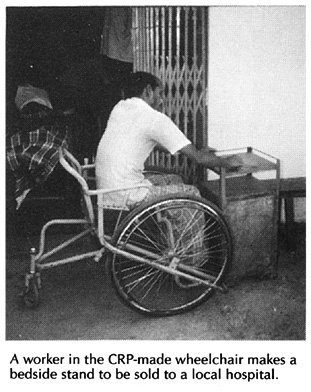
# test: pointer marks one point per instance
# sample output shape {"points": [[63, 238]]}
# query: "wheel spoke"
{"points": [[190, 224], [147, 237], [140, 268], [133, 284], [151, 284]]}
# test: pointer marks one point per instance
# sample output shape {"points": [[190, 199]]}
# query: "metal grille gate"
{"points": [[171, 43]]}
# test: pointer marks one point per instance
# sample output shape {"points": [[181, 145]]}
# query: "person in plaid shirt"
{"points": [[33, 150]]}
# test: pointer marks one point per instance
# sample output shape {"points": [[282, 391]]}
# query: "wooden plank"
{"points": [[251, 163]]}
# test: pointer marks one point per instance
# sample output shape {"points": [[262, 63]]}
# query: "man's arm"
{"points": [[207, 158]]}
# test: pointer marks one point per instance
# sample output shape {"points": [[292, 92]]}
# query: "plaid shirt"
{"points": [[32, 156]]}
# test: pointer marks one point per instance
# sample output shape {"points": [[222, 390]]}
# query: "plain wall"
{"points": [[256, 82]]}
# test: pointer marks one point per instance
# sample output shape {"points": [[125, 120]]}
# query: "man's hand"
{"points": [[208, 150], [207, 158], [232, 162]]}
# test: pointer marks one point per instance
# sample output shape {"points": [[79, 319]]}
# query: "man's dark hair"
{"points": [[138, 81]]}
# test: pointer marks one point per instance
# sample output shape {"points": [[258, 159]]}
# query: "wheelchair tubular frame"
{"points": [[146, 257]]}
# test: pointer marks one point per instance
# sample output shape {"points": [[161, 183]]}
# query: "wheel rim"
{"points": [[201, 244]]}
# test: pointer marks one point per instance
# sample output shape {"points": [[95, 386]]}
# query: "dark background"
{"points": [[58, 49], [42, 42]]}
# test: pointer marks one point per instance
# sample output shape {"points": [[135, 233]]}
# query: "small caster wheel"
{"points": [[31, 296]]}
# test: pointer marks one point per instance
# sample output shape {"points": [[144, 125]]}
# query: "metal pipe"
{"points": [[170, 65], [195, 75], [163, 47], [157, 40], [204, 65], [151, 34], [161, 267], [56, 222], [147, 38], [68, 260], [178, 76]]}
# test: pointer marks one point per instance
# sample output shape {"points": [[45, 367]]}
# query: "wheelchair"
{"points": [[155, 269]]}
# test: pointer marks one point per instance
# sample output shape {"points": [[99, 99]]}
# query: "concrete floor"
{"points": [[79, 303]]}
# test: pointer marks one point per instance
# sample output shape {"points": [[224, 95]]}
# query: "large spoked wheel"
{"points": [[189, 237]]}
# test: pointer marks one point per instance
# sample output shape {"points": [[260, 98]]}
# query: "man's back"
{"points": [[124, 146]]}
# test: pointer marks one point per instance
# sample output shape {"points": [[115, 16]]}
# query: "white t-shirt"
{"points": [[133, 130]]}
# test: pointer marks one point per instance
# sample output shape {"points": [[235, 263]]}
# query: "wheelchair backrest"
{"points": [[73, 167]]}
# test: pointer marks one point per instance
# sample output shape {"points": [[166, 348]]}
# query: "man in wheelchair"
{"points": [[135, 127]]}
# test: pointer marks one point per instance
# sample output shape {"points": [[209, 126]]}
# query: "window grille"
{"points": [[171, 43]]}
